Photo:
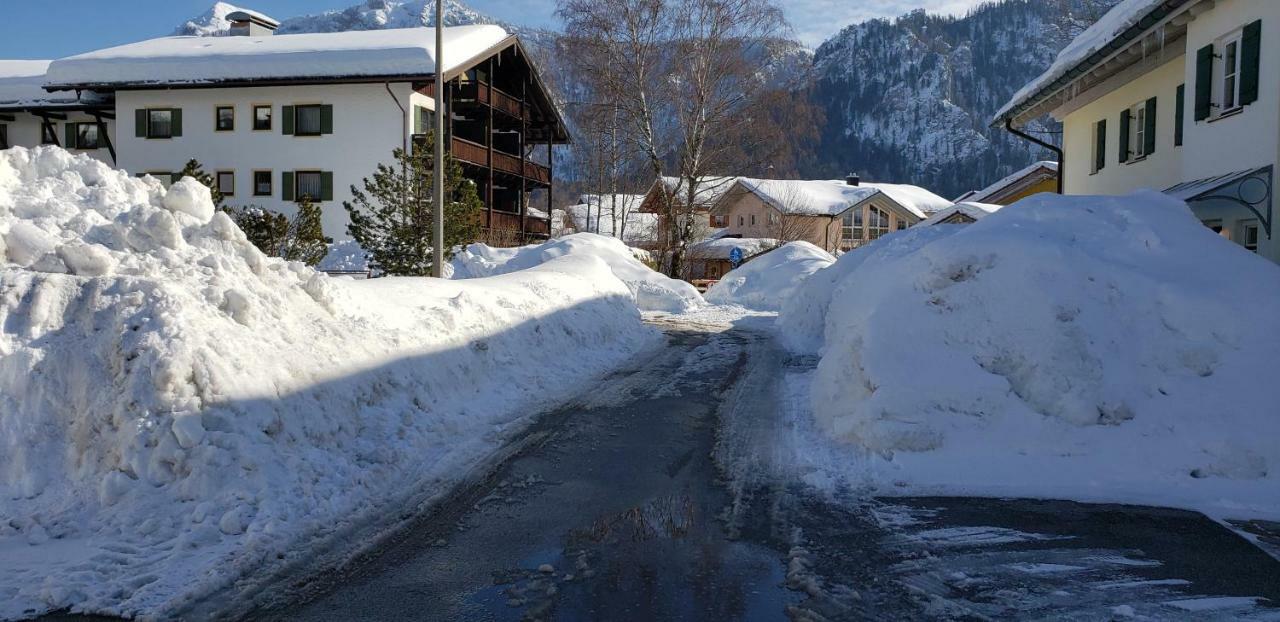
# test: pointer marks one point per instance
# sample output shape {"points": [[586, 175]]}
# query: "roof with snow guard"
{"points": [[834, 197], [1027, 176], [21, 86], [401, 53], [1099, 45]]}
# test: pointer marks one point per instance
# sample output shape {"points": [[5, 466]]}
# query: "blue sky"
{"points": [[34, 31]]}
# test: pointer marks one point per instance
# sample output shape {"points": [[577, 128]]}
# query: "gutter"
{"points": [[1062, 162]]}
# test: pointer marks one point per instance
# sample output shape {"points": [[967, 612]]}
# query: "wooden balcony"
{"points": [[482, 93], [475, 153], [506, 221]]}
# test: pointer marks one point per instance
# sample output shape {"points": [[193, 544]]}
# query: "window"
{"points": [[309, 184], [1099, 145], [902, 224], [159, 124], [86, 136], [720, 221], [224, 119], [227, 183], [742, 221], [1138, 131], [261, 118], [262, 183], [165, 177], [307, 121], [48, 134], [851, 227], [1214, 225], [877, 223], [753, 220], [773, 217], [1249, 235], [4, 136], [1229, 97]]}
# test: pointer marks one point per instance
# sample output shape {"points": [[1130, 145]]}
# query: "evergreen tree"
{"points": [[266, 229], [304, 238], [391, 217]]}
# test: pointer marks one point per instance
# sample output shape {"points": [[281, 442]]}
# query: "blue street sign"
{"points": [[735, 256]]}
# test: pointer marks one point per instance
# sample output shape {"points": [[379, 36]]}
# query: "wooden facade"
{"points": [[501, 126]]}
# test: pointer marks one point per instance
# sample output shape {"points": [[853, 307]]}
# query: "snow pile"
{"points": [[652, 290], [177, 409], [767, 281], [802, 320], [1101, 348], [615, 216]]}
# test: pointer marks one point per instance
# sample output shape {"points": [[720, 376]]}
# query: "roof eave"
{"points": [[1157, 14]]}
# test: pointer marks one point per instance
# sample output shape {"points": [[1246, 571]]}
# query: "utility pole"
{"points": [[437, 230]]}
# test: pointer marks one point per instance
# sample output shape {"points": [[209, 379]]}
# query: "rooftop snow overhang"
{"points": [[1121, 51]]}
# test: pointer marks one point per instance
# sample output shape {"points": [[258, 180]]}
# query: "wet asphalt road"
{"points": [[632, 504]]}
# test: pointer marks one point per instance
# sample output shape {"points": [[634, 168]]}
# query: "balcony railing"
{"points": [[481, 92], [478, 154]]}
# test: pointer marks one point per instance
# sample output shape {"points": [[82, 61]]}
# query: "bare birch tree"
{"points": [[686, 77]]}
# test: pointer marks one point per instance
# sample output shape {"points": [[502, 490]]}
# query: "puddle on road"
{"points": [[662, 560]]}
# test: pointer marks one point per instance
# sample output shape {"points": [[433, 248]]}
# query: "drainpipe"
{"points": [[1062, 163], [404, 118]]}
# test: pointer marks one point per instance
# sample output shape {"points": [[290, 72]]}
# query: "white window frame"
{"points": [[875, 231], [1246, 227], [1137, 132], [1222, 73]]}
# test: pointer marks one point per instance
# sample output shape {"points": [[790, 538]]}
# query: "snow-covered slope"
{"points": [[652, 290], [369, 15], [177, 409], [1071, 347], [910, 99], [766, 282]]}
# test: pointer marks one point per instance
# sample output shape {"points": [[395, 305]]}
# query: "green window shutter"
{"points": [[326, 186], [286, 120], [140, 123], [1179, 113], [69, 130], [286, 185], [1250, 62], [1204, 82], [177, 122], [1149, 132], [326, 119], [1124, 136], [1100, 154]]}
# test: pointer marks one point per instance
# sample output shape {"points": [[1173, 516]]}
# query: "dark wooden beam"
{"points": [[102, 131]]}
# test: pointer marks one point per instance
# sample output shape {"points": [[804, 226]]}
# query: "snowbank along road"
{"points": [[667, 492]]}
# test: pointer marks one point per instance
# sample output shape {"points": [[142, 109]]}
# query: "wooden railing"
{"points": [[480, 92], [537, 226], [478, 154]]}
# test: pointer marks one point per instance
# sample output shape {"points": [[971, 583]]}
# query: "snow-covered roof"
{"points": [[710, 189], [976, 211], [1090, 47], [195, 60], [21, 84], [834, 197], [719, 248], [251, 14], [984, 195]]}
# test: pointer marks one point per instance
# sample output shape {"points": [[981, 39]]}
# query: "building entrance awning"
{"points": [[1250, 189]]}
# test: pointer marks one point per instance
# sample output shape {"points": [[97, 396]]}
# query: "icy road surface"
{"points": [[671, 492]]}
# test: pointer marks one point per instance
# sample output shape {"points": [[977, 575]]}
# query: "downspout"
{"points": [[1062, 164], [404, 119]]}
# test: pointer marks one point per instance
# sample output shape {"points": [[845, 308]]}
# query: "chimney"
{"points": [[853, 180], [251, 24]]}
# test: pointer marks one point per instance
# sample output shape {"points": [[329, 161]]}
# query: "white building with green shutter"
{"points": [[278, 117], [1181, 96]]}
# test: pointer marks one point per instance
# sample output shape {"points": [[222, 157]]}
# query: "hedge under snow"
{"points": [[652, 290], [1099, 348], [177, 409], [767, 281]]}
